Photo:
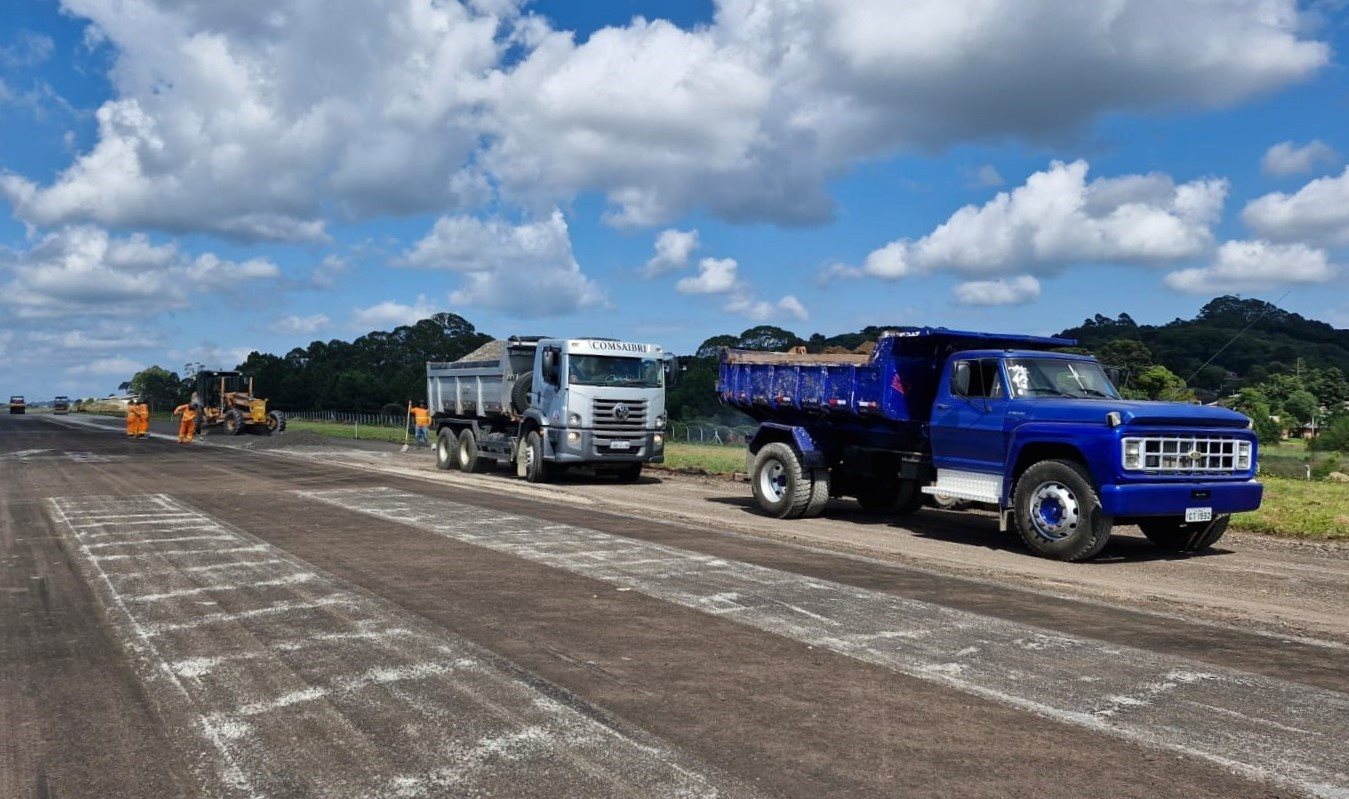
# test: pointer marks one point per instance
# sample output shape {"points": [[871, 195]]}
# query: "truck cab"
{"points": [[61, 406], [1047, 438], [17, 404]]}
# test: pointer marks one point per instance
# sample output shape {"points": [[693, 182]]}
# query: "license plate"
{"points": [[1199, 514], [620, 445]]}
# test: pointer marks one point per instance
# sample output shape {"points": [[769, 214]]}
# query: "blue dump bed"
{"points": [[891, 388]]}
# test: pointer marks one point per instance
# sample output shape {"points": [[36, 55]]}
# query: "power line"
{"points": [[1238, 335]]}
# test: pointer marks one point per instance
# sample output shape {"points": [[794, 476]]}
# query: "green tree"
{"points": [[1255, 404], [1301, 407], [159, 387], [1334, 437], [1159, 383]]}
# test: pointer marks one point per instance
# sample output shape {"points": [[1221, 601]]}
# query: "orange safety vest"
{"points": [[422, 417], [187, 411], [143, 411]]}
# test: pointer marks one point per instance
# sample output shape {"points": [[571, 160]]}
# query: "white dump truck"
{"points": [[544, 404]]}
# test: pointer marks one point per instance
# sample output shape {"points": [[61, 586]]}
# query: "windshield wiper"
{"points": [[1052, 392]]}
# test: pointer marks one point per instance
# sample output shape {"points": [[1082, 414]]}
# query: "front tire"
{"points": [[445, 446], [1176, 535], [234, 423], [781, 486], [536, 469], [1058, 512]]}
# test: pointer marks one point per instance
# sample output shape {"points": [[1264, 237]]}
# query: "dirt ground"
{"points": [[324, 618]]}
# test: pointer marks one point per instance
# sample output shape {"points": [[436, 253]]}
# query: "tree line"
{"points": [[1261, 359]]}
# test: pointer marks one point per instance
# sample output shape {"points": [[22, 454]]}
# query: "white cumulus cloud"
{"points": [[673, 248], [1057, 218], [295, 324], [1318, 213], [715, 276], [267, 120], [390, 314], [82, 271], [1003, 291], [528, 269], [756, 310], [1254, 266], [1286, 158]]}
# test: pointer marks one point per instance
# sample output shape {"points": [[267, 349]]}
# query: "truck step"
{"points": [[974, 486]]}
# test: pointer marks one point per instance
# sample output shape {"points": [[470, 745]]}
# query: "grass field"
{"points": [[337, 430]]}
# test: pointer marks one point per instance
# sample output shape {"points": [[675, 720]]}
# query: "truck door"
{"points": [[547, 380], [967, 420]]}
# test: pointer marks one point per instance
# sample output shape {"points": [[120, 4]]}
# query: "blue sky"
{"points": [[186, 182]]}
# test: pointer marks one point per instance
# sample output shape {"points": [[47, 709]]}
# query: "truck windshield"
{"points": [[1054, 377], [607, 370]]}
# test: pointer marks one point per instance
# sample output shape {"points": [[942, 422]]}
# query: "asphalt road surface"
{"points": [[310, 621]]}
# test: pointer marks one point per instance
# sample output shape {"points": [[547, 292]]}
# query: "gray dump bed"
{"points": [[480, 383]]}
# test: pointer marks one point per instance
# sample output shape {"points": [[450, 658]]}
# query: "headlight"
{"points": [[1243, 455], [573, 420], [658, 440], [573, 437], [1133, 453], [660, 421]]}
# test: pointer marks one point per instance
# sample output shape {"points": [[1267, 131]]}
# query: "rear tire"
{"points": [[1058, 512], [1176, 535], [276, 422], [467, 451], [445, 446], [781, 486], [819, 493]]}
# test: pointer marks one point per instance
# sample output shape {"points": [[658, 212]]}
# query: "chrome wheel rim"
{"points": [[443, 451], [773, 481], [529, 457], [1054, 512]]}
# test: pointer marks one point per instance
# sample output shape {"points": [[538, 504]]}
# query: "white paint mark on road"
{"points": [[1261, 726], [299, 684]]}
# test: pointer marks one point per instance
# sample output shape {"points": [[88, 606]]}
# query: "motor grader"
{"points": [[225, 399]]}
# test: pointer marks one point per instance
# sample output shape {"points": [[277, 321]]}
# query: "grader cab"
{"points": [[226, 400]]}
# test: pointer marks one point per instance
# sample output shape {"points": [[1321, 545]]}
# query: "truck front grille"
{"points": [[1186, 455], [612, 414]]}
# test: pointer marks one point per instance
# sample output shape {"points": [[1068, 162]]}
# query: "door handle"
{"points": [[941, 406]]}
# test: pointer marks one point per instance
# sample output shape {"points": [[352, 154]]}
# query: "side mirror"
{"points": [[960, 379], [550, 367], [672, 369], [1116, 375]]}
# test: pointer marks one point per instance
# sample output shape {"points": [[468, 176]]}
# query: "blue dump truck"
{"points": [[999, 419]]}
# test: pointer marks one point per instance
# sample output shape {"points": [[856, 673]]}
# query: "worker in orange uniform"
{"points": [[132, 418], [421, 420], [188, 426], [142, 418]]}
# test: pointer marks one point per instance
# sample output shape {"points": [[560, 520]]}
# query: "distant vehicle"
{"points": [[17, 405], [61, 406], [1005, 420], [546, 404]]}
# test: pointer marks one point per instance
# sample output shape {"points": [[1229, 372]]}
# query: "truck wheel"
{"points": [[1058, 512], [520, 393], [445, 446], [1176, 535], [781, 486], [908, 497], [535, 467], [275, 422], [630, 473], [819, 493], [234, 423], [469, 462]]}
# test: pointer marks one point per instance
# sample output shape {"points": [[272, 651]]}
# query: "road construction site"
{"points": [[295, 616]]}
